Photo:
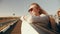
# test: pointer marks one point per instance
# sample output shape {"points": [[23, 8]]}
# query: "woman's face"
{"points": [[33, 9], [59, 13]]}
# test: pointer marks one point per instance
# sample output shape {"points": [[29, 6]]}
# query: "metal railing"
{"points": [[4, 26]]}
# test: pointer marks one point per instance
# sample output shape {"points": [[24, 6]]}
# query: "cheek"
{"points": [[36, 10]]}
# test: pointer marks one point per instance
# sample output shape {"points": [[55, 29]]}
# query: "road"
{"points": [[15, 29]]}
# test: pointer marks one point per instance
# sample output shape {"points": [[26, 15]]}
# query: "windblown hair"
{"points": [[41, 10]]}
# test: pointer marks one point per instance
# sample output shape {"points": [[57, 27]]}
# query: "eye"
{"points": [[30, 10]]}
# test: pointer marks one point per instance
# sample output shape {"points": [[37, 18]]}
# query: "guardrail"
{"points": [[4, 26]]}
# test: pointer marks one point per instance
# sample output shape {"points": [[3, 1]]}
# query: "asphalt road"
{"points": [[15, 29]]}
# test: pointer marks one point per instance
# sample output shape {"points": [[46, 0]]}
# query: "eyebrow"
{"points": [[30, 9]]}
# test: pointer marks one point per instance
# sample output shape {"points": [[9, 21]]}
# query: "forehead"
{"points": [[32, 6]]}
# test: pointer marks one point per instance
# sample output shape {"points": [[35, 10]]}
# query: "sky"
{"points": [[20, 7]]}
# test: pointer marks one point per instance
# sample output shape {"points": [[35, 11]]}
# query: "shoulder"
{"points": [[44, 16]]}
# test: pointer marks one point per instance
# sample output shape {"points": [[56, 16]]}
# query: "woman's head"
{"points": [[58, 13], [35, 9]]}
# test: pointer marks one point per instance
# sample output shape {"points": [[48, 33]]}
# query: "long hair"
{"points": [[41, 10]]}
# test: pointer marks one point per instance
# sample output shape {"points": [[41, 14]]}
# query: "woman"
{"points": [[57, 19], [37, 16]]}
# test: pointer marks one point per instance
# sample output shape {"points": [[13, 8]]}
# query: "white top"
{"points": [[42, 18]]}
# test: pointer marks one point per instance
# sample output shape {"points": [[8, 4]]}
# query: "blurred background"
{"points": [[20, 7]]}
